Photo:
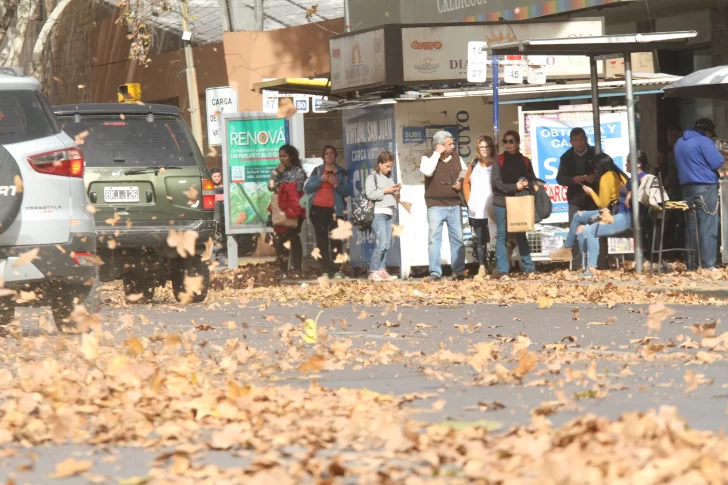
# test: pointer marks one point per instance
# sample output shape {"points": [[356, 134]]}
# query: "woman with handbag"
{"points": [[611, 179], [383, 192], [287, 182], [477, 190], [326, 191], [513, 173]]}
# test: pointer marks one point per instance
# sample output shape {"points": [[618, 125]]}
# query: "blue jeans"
{"points": [[589, 237], [436, 217], [382, 227], [705, 198], [576, 221], [501, 251]]}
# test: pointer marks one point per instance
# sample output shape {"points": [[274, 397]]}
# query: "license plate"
{"points": [[121, 194]]}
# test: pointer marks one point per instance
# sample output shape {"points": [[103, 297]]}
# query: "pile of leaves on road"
{"points": [[182, 397]]}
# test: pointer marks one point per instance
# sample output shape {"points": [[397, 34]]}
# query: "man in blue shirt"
{"points": [[697, 160]]}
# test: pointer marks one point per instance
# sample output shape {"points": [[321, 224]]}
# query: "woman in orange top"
{"points": [[330, 188]]}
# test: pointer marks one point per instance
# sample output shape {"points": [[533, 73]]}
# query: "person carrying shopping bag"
{"points": [[511, 174], [326, 190], [384, 193]]}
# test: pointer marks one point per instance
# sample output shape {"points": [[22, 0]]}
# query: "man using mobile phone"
{"points": [[442, 171], [576, 171]]}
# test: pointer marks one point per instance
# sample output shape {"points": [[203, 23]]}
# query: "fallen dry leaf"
{"points": [[656, 315], [397, 230], [71, 467], [343, 231], [183, 242], [26, 257]]}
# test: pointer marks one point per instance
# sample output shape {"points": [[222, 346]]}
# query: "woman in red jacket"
{"points": [[287, 181]]}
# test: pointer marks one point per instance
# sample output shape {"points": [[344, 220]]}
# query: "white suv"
{"points": [[47, 238]]}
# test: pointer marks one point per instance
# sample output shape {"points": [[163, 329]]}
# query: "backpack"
{"points": [[362, 209], [648, 193]]}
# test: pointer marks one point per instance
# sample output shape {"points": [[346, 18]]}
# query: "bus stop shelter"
{"points": [[597, 48]]}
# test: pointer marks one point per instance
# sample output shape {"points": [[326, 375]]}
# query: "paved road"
{"points": [[432, 342]]}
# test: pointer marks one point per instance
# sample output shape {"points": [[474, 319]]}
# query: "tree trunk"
{"points": [[37, 70], [13, 51], [7, 12]]}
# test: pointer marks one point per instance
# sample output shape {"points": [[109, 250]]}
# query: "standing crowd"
{"points": [[599, 194]]}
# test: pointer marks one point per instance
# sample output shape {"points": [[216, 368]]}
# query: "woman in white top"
{"points": [[381, 189], [477, 190]]}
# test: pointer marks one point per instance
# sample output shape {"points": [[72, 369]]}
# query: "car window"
{"points": [[23, 117], [131, 142]]}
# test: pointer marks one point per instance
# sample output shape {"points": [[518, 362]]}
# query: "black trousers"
{"points": [[292, 236], [481, 236], [324, 221]]}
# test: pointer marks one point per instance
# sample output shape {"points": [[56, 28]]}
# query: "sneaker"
{"points": [[460, 277], [482, 273], [283, 275], [433, 278], [504, 277], [338, 276], [587, 274], [386, 276], [325, 275], [562, 254], [376, 276]]}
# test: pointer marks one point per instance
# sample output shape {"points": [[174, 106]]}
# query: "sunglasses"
{"points": [[509, 141]]}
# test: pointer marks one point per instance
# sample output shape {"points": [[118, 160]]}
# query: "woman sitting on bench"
{"points": [[613, 220]]}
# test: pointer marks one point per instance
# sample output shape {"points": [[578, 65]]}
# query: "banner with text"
{"points": [[367, 133], [550, 140], [250, 155]]}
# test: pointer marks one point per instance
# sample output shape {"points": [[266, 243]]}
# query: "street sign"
{"points": [[218, 101], [317, 102], [270, 102], [301, 104], [477, 61], [536, 75], [513, 75]]}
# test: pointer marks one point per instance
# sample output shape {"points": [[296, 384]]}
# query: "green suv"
{"points": [[151, 194]]}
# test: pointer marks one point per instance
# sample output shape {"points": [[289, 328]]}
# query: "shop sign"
{"points": [[357, 60]]}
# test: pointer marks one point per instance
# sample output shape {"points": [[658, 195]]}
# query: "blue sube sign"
{"points": [[413, 134]]}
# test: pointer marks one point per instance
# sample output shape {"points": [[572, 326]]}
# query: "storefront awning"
{"points": [[296, 85], [601, 45]]}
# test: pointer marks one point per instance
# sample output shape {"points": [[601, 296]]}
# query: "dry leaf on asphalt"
{"points": [[544, 302], [71, 467]]}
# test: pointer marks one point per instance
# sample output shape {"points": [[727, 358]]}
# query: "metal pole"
{"points": [[259, 15], [191, 72], [496, 128], [636, 229], [347, 23], [595, 105]]}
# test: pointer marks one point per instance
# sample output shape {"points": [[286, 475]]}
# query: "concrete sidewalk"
{"points": [[717, 289]]}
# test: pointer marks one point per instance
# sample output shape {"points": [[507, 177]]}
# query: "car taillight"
{"points": [[68, 163], [81, 258], [208, 195]]}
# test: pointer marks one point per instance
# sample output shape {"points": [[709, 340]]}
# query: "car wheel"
{"points": [[134, 285], [193, 266], [64, 300], [7, 311]]}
